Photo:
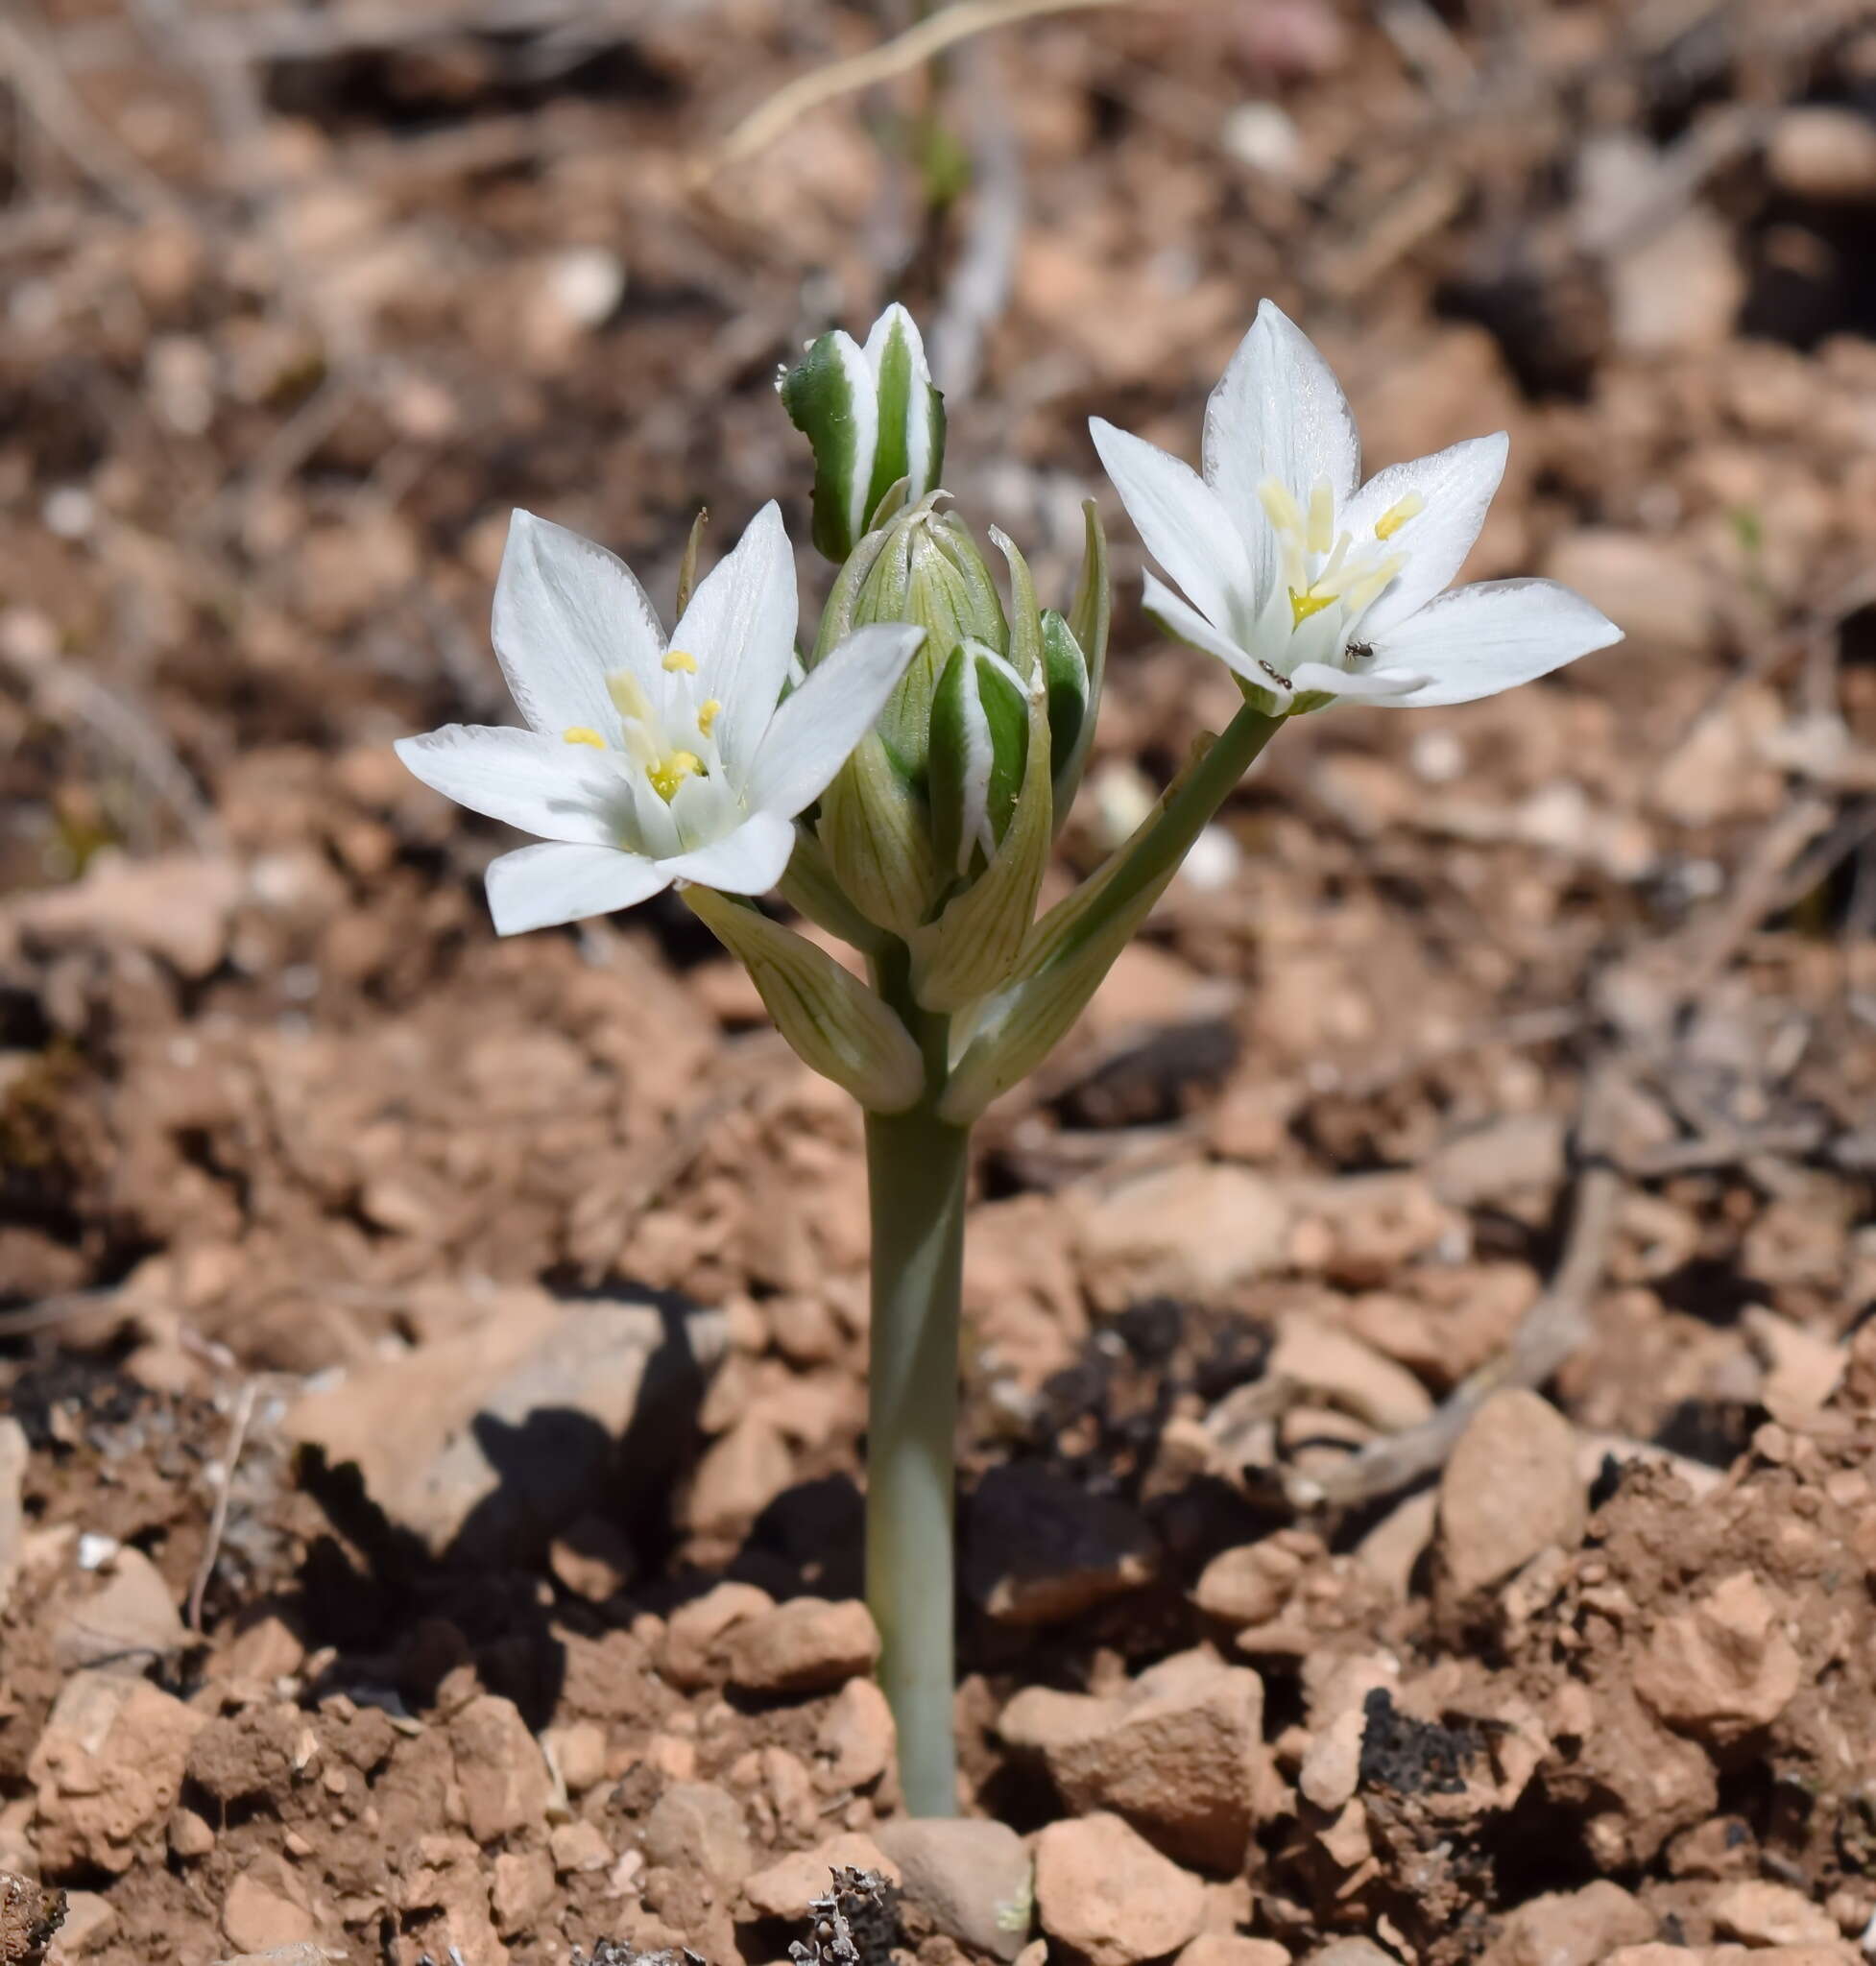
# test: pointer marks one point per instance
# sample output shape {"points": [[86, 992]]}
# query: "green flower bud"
{"points": [[926, 569], [1065, 671], [979, 734], [972, 949], [938, 828], [874, 420], [877, 834]]}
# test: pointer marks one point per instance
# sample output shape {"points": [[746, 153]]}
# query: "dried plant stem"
{"points": [[237, 1439], [900, 56]]}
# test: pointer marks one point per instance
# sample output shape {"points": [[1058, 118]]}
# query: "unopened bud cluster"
{"points": [[902, 782], [938, 828]]}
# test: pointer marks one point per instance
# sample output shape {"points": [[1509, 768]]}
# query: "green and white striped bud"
{"points": [[974, 946], [874, 420], [937, 829], [979, 746]]}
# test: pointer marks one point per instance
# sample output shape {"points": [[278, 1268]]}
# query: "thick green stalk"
{"points": [[1154, 852], [915, 1167]]}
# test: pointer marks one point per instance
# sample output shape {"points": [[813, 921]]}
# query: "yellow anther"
{"points": [[1303, 606], [676, 659], [1397, 515], [669, 772], [1284, 513], [579, 734], [1322, 517], [707, 713], [628, 695]]}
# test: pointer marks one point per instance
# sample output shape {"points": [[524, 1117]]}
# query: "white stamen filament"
{"points": [[1324, 568], [660, 743]]}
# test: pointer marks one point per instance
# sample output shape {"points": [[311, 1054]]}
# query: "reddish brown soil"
{"points": [[406, 1335]]}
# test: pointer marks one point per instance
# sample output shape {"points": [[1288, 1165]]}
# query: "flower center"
{"points": [[665, 734], [670, 772], [1326, 569]]}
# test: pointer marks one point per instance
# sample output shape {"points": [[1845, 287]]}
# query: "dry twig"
{"points": [[237, 1439], [1551, 1330], [898, 57], [979, 286], [48, 97]]}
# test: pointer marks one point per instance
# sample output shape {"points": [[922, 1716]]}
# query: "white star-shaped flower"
{"points": [[646, 762], [1310, 584]]}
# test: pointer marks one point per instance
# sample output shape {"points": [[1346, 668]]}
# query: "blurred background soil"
{"points": [[435, 1365]]}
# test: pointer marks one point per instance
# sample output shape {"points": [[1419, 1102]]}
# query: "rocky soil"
{"points": [[1420, 1436]]}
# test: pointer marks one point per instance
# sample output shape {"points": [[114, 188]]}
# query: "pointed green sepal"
{"points": [[898, 496], [874, 830], [1065, 675], [840, 617], [832, 1022], [1026, 642], [810, 889]]}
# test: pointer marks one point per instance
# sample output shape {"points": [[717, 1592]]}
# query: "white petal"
{"points": [[702, 809], [1313, 641], [1278, 413], [748, 861], [652, 830], [1380, 685], [1477, 640], [740, 626], [565, 611], [1456, 486], [1185, 624], [557, 791], [814, 730], [1180, 520], [541, 887]]}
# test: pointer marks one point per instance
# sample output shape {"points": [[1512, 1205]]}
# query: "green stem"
{"points": [[916, 1167], [1156, 851], [916, 1164]]}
